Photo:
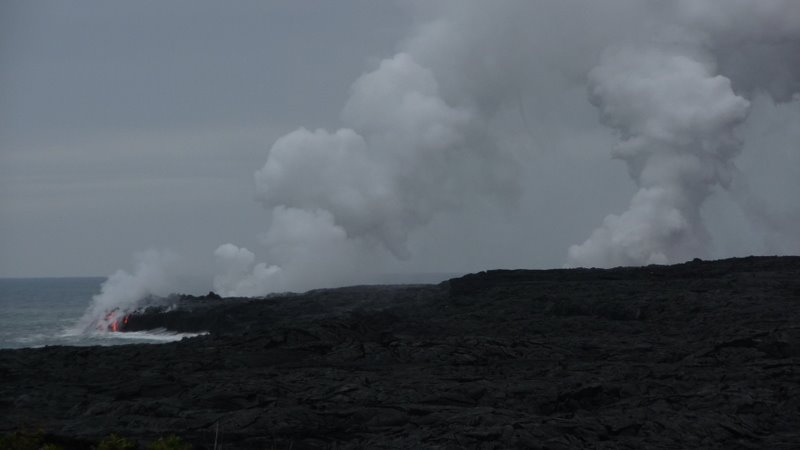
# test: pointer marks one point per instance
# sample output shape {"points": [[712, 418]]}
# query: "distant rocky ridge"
{"points": [[704, 354]]}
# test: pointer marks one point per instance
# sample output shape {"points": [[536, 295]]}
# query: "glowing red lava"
{"points": [[115, 324]]}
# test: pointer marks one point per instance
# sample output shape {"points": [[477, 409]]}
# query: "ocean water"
{"points": [[35, 312]]}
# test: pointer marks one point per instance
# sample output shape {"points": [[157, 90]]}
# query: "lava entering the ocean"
{"points": [[115, 323]]}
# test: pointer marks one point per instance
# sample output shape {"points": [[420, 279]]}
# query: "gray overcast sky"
{"points": [[126, 126]]}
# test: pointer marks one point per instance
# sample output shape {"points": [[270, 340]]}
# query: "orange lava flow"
{"points": [[116, 324]]}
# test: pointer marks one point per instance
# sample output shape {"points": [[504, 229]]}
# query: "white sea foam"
{"points": [[155, 336]]}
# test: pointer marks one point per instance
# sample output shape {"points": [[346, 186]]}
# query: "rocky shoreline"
{"points": [[695, 355]]}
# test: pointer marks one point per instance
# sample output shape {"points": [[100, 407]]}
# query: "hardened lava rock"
{"points": [[696, 355]]}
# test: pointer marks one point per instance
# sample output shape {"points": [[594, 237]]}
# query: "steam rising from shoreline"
{"points": [[414, 150], [154, 274], [436, 128], [344, 198], [676, 113], [676, 119]]}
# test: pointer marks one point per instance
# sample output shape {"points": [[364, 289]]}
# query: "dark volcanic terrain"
{"points": [[696, 355]]}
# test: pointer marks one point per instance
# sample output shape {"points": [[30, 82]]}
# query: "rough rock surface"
{"points": [[697, 355]]}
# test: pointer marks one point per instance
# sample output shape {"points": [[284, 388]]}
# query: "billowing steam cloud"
{"points": [[676, 113], [480, 89], [338, 198], [676, 118], [153, 275], [240, 275], [423, 136], [425, 131]]}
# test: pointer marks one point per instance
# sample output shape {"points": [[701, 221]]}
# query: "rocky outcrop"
{"points": [[697, 355]]}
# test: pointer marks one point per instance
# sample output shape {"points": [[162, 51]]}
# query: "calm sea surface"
{"points": [[35, 312]]}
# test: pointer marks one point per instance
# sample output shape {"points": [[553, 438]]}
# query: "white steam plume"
{"points": [[123, 292], [240, 276], [436, 128], [407, 156], [676, 120], [427, 131], [676, 112], [338, 198], [422, 136]]}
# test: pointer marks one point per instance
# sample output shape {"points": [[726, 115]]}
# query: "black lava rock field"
{"points": [[704, 354]]}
